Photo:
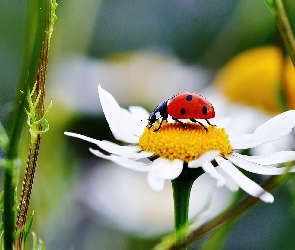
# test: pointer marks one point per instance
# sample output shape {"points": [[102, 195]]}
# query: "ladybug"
{"points": [[186, 105]]}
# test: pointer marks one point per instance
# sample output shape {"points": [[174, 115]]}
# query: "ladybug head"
{"points": [[152, 119], [159, 112]]}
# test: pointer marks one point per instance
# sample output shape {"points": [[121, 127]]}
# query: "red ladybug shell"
{"points": [[189, 105]]}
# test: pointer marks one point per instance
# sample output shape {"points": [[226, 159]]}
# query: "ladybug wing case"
{"points": [[190, 105]]}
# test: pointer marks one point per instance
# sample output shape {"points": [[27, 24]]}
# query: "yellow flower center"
{"points": [[173, 141]]}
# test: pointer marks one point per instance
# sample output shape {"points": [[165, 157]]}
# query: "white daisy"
{"points": [[174, 148]]}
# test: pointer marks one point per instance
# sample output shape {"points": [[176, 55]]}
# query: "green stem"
{"points": [[17, 117], [36, 116], [27, 189], [8, 212], [232, 213], [284, 28], [181, 194]]}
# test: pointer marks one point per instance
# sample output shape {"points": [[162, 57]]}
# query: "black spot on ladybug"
{"points": [[189, 97], [182, 111], [204, 110]]}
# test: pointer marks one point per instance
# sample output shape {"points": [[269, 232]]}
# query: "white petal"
{"points": [[135, 123], [126, 151], [124, 162], [271, 130], [167, 169], [210, 169], [258, 169], [240, 140], [156, 182], [230, 183], [82, 137], [204, 158], [115, 118], [273, 158], [139, 112], [244, 182], [162, 170], [141, 118], [221, 122]]}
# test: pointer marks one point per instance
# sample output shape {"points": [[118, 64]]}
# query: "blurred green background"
{"points": [[126, 46]]}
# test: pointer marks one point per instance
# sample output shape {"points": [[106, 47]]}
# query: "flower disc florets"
{"points": [[173, 141]]}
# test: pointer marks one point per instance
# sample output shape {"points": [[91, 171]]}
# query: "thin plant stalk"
{"points": [[17, 117], [284, 27], [36, 121]]}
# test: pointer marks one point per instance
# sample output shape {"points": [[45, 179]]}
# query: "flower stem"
{"points": [[231, 213], [181, 194], [284, 28], [8, 212], [36, 118], [17, 117]]}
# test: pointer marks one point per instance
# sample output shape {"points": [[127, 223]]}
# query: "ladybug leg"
{"points": [[193, 120], [209, 123], [181, 123], [159, 126]]}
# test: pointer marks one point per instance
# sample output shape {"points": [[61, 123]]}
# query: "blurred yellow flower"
{"points": [[289, 83], [257, 78]]}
